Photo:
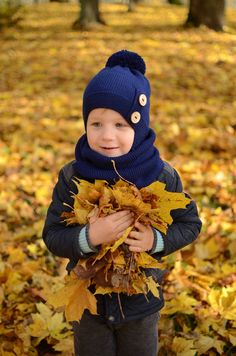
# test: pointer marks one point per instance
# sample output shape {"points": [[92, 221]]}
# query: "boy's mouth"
{"points": [[109, 148]]}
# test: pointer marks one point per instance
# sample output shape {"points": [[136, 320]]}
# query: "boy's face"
{"points": [[108, 133]]}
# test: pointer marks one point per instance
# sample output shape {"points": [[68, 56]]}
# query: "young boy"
{"points": [[116, 116]]}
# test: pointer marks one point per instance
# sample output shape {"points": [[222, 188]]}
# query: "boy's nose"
{"points": [[107, 134]]}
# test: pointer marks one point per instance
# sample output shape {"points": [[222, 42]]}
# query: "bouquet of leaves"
{"points": [[114, 268]]}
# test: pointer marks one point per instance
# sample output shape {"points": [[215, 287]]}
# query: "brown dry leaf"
{"points": [[86, 269]]}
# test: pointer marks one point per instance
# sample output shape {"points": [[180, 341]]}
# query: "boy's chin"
{"points": [[111, 154]]}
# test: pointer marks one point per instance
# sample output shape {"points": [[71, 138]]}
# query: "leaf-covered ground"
{"points": [[44, 67]]}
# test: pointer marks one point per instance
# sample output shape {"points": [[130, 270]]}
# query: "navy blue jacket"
{"points": [[63, 241]]}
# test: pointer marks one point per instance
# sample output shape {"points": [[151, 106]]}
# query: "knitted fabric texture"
{"points": [[141, 166], [120, 86]]}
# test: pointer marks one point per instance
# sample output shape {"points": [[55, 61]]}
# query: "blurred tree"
{"points": [[175, 2], [132, 4], [8, 10], [206, 12], [89, 14]]}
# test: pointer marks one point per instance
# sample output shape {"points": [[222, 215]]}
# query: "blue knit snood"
{"points": [[141, 166]]}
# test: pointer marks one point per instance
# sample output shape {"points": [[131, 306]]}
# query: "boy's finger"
{"points": [[136, 249], [139, 226], [132, 242], [135, 235], [120, 229], [122, 214], [120, 225]]}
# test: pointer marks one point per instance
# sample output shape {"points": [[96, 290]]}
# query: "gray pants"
{"points": [[95, 337]]}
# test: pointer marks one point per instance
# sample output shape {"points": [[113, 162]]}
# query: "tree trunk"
{"points": [[89, 15], [132, 4], [175, 2], [8, 17], [206, 12], [58, 0]]}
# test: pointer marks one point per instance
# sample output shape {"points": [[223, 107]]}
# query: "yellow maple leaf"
{"points": [[16, 255], [105, 202], [65, 346], [227, 268], [89, 191], [165, 201], [183, 347], [207, 250], [128, 200], [104, 249], [126, 196], [119, 260], [61, 297], [140, 286], [205, 343], [15, 283], [39, 327], [82, 208], [121, 269], [80, 300], [145, 260], [46, 323], [121, 239], [113, 247], [182, 303], [223, 301], [56, 325], [104, 290], [1, 297], [75, 297], [152, 286]]}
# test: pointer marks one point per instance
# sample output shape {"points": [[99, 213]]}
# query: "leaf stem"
{"points": [[114, 166], [121, 309]]}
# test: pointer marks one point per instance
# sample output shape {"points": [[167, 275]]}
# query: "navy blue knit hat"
{"points": [[123, 87]]}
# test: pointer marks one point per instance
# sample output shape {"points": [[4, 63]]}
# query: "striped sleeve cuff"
{"points": [[158, 244], [83, 241]]}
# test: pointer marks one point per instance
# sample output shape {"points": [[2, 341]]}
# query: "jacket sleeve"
{"points": [[186, 224], [60, 239]]}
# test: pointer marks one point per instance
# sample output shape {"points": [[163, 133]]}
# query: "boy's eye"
{"points": [[118, 124], [96, 124]]}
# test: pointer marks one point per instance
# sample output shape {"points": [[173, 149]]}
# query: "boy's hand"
{"points": [[109, 228], [140, 240]]}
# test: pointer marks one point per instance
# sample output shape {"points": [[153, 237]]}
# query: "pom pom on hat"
{"points": [[121, 86], [128, 59]]}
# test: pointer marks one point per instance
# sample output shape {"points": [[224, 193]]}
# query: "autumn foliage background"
{"points": [[44, 68]]}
